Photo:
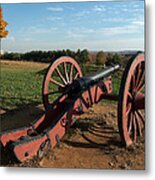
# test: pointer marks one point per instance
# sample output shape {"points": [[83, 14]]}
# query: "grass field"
{"points": [[21, 84]]}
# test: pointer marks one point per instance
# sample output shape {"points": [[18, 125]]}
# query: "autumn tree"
{"points": [[100, 58], [3, 24]]}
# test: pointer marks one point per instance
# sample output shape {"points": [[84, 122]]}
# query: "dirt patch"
{"points": [[93, 142]]}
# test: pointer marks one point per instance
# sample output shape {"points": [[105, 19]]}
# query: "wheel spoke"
{"points": [[130, 118], [54, 92], [60, 75], [71, 73], [129, 95], [141, 81], [66, 73], [76, 75], [139, 128], [130, 122], [139, 113], [133, 82], [139, 75], [141, 87], [56, 82], [136, 72], [128, 109], [134, 129]]}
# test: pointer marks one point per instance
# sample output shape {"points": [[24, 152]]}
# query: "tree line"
{"points": [[81, 56], [47, 56]]}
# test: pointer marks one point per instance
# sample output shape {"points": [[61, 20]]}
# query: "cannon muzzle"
{"points": [[84, 83]]}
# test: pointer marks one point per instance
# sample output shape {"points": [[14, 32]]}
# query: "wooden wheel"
{"points": [[60, 74], [131, 101]]}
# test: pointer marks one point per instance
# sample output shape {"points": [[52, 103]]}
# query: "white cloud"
{"points": [[52, 18], [40, 30], [121, 19], [111, 31], [125, 9], [130, 26], [73, 34], [80, 32], [113, 20], [138, 23], [101, 44], [135, 5], [94, 9], [55, 9], [82, 13], [70, 8], [99, 8], [137, 9], [124, 5], [133, 26]]}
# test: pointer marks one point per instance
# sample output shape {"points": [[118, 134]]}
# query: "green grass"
{"points": [[116, 81], [116, 77], [22, 85]]}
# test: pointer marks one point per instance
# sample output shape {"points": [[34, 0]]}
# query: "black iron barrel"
{"points": [[84, 83], [102, 74]]}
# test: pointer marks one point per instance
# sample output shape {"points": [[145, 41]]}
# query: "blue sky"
{"points": [[108, 26]]}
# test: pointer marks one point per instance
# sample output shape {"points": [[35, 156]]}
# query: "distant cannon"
{"points": [[67, 95]]}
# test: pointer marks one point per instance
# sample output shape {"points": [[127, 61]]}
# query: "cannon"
{"points": [[67, 94]]}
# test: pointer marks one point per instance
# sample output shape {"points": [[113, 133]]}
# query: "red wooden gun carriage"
{"points": [[73, 94]]}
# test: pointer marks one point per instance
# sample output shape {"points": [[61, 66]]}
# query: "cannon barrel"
{"points": [[102, 74], [84, 83]]}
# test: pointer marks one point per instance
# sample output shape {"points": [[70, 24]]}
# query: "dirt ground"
{"points": [[93, 142]]}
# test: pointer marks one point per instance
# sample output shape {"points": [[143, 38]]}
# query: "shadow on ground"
{"points": [[22, 115], [94, 135]]}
